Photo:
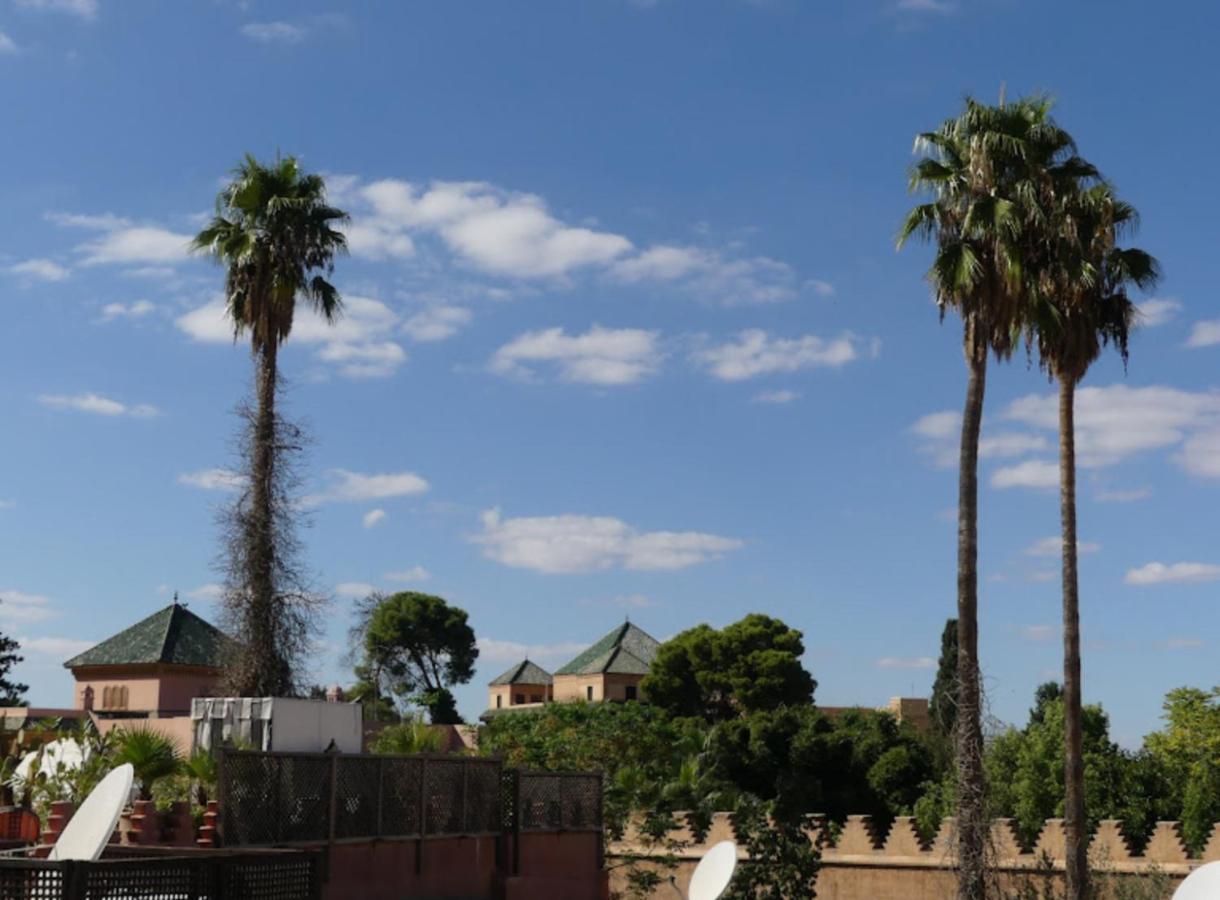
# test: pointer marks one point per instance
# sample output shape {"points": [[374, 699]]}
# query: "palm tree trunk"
{"points": [[261, 652], [971, 812], [1077, 846]]}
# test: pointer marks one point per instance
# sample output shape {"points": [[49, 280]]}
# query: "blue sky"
{"points": [[626, 331]]}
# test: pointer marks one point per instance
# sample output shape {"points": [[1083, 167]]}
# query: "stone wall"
{"points": [[867, 863]]}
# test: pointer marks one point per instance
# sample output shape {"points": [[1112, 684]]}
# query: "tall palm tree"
{"points": [[985, 169], [276, 235], [1079, 305]]}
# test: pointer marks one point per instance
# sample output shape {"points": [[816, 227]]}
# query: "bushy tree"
{"points": [[750, 666], [12, 693], [415, 646], [1188, 753], [943, 705]]}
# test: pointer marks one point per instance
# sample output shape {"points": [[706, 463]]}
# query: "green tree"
{"points": [[1188, 752], [981, 168], [12, 693], [152, 754], [943, 705], [1080, 305], [419, 647], [751, 665], [276, 235]]}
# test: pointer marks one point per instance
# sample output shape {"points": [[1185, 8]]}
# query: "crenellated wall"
{"points": [[866, 862]]}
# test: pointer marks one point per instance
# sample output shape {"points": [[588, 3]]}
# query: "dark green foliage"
{"points": [[415, 646], [752, 665], [943, 705], [1046, 694], [152, 754], [12, 693], [783, 862]]}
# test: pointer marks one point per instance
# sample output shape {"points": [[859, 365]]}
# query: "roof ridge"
{"points": [[169, 628]]}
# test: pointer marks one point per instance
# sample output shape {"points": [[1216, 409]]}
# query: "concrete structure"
{"points": [[870, 863], [911, 710], [611, 669], [153, 669], [284, 724], [525, 683]]}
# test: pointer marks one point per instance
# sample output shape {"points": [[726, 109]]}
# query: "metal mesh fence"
{"points": [[280, 798], [559, 802], [266, 876]]}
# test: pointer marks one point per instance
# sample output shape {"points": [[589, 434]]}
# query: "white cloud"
{"points": [[437, 323], [407, 576], [82, 9], [274, 32], [1158, 311], [213, 479], [939, 7], [709, 273], [755, 353], [7, 504], [1117, 422], [123, 241], [59, 648], [508, 652], [7, 45], [498, 231], [1173, 573], [356, 343], [1113, 495], [605, 356], [18, 606], [97, 405], [1182, 644], [777, 397], [1200, 454], [354, 590], [573, 543], [1053, 546], [821, 288], [919, 662], [39, 269], [369, 360], [137, 310], [207, 592], [1204, 334], [1032, 473], [355, 487], [373, 518], [1038, 632], [939, 436]]}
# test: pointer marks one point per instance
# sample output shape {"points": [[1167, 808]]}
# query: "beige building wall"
{"points": [[618, 687], [579, 687], [502, 696], [152, 688]]}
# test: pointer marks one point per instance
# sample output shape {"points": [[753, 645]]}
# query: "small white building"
{"points": [[277, 723]]}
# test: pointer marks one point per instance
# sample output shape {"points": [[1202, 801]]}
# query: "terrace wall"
{"points": [[866, 863]]}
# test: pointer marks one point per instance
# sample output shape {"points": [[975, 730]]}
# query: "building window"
{"points": [[498, 699], [589, 693], [519, 699], [631, 693], [535, 698]]}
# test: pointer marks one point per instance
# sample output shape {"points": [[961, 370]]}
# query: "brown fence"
{"points": [[212, 876], [307, 798]]}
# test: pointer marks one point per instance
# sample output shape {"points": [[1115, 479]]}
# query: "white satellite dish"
{"points": [[714, 872], [1201, 884], [88, 832]]}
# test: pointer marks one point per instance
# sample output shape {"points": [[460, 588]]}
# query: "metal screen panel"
{"points": [[401, 786], [270, 799], [357, 792], [566, 802]]}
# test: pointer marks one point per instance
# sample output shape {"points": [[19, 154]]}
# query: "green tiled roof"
{"points": [[627, 650], [173, 635], [524, 673]]}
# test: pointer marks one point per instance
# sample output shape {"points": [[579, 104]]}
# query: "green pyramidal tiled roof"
{"points": [[524, 673], [627, 650], [173, 635]]}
